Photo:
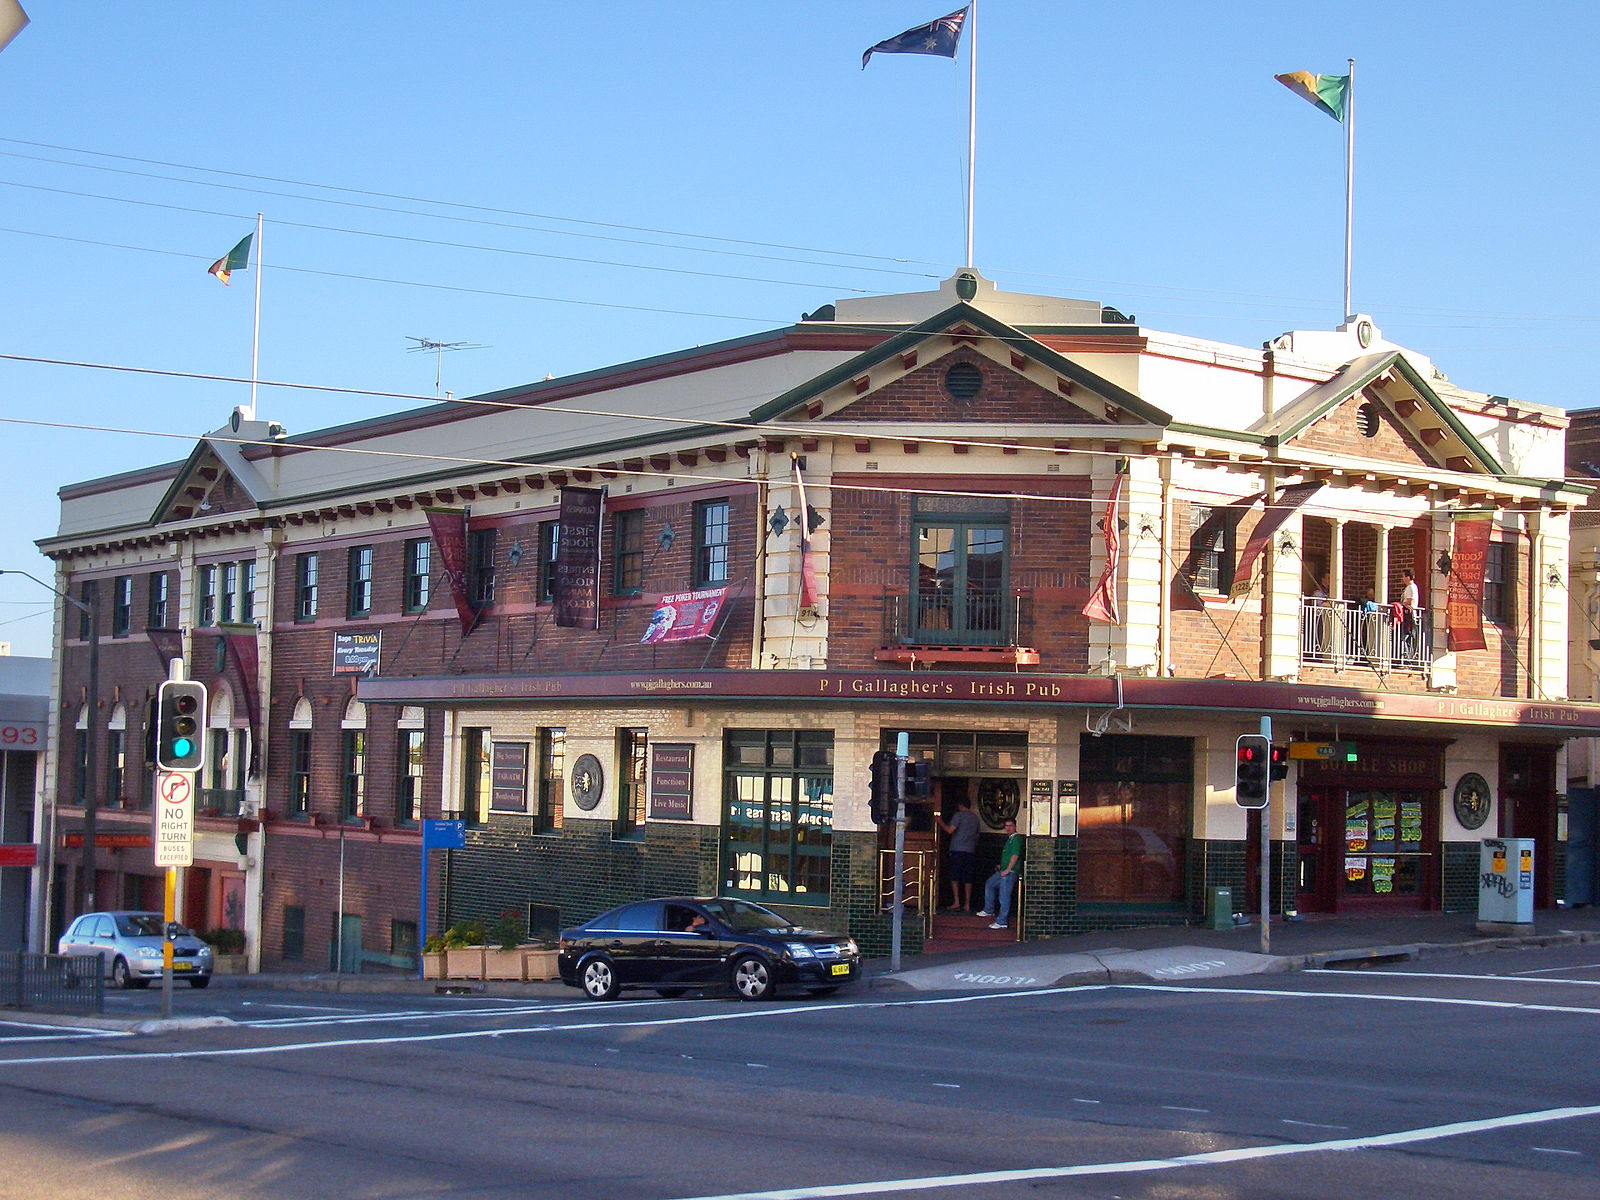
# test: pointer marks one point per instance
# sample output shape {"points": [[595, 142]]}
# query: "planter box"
{"points": [[465, 963], [230, 964], [539, 964], [433, 965], [502, 964]]}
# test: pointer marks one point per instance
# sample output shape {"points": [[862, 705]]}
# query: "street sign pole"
{"points": [[901, 749], [1266, 851], [173, 814]]}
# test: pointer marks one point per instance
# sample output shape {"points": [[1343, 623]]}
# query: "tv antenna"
{"points": [[438, 349]]}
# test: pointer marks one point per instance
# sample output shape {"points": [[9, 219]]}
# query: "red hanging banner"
{"points": [[448, 528], [1102, 605], [1464, 604]]}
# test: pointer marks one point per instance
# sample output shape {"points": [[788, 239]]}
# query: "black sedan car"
{"points": [[674, 944]]}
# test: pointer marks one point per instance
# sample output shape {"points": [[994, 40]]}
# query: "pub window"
{"points": [[627, 552], [632, 775], [710, 542], [121, 605], [300, 772], [480, 567], [778, 821], [552, 778], [206, 609], [1499, 582], [158, 600], [229, 601], [359, 599], [305, 587], [419, 568], [86, 596], [549, 549], [247, 590], [1211, 548], [476, 777]]}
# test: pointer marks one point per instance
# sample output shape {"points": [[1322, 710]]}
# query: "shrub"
{"points": [[508, 930], [224, 941], [463, 934]]}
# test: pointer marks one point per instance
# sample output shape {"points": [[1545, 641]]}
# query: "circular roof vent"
{"points": [[1367, 420], [963, 381]]}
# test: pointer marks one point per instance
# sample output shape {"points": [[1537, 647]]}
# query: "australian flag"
{"points": [[936, 37]]}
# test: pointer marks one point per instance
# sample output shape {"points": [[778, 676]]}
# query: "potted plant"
{"points": [[227, 950], [463, 950], [433, 957], [503, 958]]}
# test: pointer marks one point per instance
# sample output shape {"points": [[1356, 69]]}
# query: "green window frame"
{"points": [[777, 825], [627, 552], [961, 578]]}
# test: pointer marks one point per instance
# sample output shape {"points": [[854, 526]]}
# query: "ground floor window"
{"points": [[1134, 819], [778, 819]]}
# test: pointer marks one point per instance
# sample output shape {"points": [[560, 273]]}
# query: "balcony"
{"points": [[1343, 633], [973, 628]]}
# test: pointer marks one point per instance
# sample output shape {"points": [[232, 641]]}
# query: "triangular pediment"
{"points": [[1382, 408], [205, 486], [963, 365]]}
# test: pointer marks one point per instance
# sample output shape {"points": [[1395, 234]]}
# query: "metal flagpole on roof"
{"points": [[255, 339], [972, 117], [1349, 180]]}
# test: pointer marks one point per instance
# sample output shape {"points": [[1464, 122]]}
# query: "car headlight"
{"points": [[850, 947], [205, 951], [799, 950], [148, 952]]}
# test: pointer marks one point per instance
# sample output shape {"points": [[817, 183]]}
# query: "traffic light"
{"points": [[1279, 765], [881, 791], [1251, 758], [919, 779], [180, 725]]}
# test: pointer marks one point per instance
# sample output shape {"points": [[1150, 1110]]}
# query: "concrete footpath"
{"points": [[1150, 955]]}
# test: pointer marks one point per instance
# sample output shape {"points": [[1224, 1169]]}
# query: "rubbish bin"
{"points": [[1219, 908]]}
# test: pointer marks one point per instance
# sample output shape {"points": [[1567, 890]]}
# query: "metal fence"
{"points": [[64, 983], [1345, 633]]}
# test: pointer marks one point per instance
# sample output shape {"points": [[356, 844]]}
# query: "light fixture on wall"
{"points": [[1444, 562]]}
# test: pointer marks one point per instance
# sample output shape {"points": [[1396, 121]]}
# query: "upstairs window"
{"points": [[305, 587], [158, 600], [960, 575], [627, 552], [206, 605], [1499, 583], [121, 605], [360, 597], [247, 590], [419, 568], [1210, 561], [549, 550], [229, 600], [480, 567], [711, 529]]}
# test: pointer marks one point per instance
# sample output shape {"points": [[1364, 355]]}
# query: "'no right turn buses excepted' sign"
{"points": [[174, 842]]}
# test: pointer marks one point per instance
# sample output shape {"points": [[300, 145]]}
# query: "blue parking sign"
{"points": [[444, 835]]}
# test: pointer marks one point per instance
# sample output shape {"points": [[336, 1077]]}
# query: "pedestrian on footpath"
{"points": [[1002, 884], [962, 830]]}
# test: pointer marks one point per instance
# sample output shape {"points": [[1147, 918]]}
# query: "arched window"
{"points": [[300, 760]]}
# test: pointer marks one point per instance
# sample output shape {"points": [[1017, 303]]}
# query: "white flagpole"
{"points": [[255, 340], [972, 114], [1349, 181]]}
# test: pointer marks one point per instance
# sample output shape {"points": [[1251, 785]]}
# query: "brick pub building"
{"points": [[782, 551]]}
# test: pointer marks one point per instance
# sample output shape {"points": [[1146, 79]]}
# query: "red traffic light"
{"points": [[1249, 753]]}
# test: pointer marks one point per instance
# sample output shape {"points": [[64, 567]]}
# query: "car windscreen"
{"points": [[139, 925], [746, 917]]}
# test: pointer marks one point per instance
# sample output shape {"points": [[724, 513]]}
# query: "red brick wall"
{"points": [[921, 396]]}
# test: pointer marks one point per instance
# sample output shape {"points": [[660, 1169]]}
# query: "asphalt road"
{"points": [[1468, 1076]]}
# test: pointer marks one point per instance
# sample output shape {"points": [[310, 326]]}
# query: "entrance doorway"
{"points": [[1528, 810]]}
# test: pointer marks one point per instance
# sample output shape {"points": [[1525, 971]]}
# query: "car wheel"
{"points": [[202, 981], [752, 979], [121, 976], [670, 993], [599, 979]]}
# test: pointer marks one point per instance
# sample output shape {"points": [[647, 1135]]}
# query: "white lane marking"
{"points": [[1553, 1150], [412, 1015], [334, 1008], [1402, 1137], [1081, 1100], [1181, 1108], [1553, 970], [1447, 1000], [743, 1014], [1444, 975], [1312, 1124], [72, 1035]]}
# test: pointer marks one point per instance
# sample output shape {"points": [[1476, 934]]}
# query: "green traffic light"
{"points": [[182, 747]]}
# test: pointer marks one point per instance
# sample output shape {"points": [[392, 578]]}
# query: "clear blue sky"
{"points": [[630, 178]]}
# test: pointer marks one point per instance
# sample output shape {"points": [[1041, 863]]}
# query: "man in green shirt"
{"points": [[1002, 884]]}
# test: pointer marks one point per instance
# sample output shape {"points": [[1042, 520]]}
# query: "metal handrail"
{"points": [[1344, 633], [921, 874]]}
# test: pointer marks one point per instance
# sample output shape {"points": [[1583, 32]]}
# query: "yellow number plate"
{"points": [[840, 968]]}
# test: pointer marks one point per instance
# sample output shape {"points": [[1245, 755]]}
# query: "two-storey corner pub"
{"points": [[644, 628]]}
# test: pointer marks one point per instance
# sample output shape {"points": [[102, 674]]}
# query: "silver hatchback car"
{"points": [[129, 946]]}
